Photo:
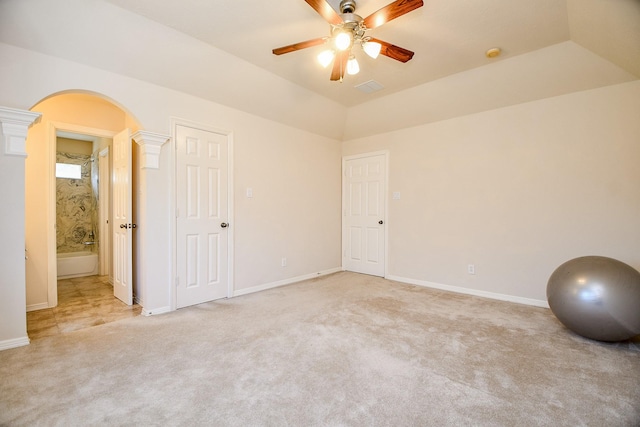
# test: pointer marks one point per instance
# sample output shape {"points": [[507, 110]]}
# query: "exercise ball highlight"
{"points": [[596, 297]]}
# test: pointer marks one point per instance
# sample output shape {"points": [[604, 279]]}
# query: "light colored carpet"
{"points": [[340, 350]]}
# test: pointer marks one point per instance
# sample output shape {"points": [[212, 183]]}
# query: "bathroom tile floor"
{"points": [[83, 302]]}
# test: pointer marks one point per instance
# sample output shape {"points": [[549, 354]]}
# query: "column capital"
{"points": [[150, 143], [14, 125]]}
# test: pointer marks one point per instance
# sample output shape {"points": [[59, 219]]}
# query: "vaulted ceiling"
{"points": [[550, 46], [447, 36]]}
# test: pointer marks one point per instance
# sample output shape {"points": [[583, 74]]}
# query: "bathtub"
{"points": [[77, 264]]}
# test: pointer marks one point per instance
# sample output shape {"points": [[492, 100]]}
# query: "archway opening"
{"points": [[68, 217]]}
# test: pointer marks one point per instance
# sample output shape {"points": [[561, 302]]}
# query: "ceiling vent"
{"points": [[369, 87]]}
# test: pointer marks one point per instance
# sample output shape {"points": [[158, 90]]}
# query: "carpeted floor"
{"points": [[340, 350]]}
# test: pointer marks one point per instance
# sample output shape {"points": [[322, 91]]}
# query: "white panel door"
{"points": [[122, 218], [363, 234], [202, 215]]}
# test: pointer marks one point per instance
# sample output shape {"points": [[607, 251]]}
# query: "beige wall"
{"points": [[295, 209], [515, 191], [67, 145], [13, 325]]}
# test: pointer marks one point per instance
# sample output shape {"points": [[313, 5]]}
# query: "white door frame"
{"points": [[104, 227], [53, 129], [175, 122], [345, 159]]}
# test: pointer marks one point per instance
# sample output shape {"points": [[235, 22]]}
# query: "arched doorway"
{"points": [[72, 222]]}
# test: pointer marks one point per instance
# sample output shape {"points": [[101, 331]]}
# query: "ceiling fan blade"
{"points": [[339, 65], [326, 11], [394, 52], [298, 46], [391, 11]]}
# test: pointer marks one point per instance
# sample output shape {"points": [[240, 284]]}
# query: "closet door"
{"points": [[363, 234], [202, 230]]}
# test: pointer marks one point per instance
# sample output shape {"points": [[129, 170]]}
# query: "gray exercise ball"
{"points": [[596, 297]]}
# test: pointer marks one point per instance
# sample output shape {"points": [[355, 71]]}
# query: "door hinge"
{"points": [[177, 213], [177, 282]]}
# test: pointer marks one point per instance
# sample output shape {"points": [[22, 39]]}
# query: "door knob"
{"points": [[381, 222], [123, 225], [224, 225]]}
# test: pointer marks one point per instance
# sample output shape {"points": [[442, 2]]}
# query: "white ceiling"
{"points": [[220, 50], [447, 36]]}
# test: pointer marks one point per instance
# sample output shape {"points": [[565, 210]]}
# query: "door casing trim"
{"points": [[53, 127]]}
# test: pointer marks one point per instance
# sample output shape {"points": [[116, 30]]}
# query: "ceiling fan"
{"points": [[349, 30]]}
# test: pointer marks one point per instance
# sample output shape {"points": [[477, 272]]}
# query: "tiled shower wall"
{"points": [[76, 206]]}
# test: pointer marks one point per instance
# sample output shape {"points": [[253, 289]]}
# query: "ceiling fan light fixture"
{"points": [[372, 49], [326, 57], [349, 29], [342, 40], [352, 66]]}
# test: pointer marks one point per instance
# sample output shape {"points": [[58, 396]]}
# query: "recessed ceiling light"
{"points": [[493, 52]]}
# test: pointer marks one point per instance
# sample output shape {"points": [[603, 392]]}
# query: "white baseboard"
{"points": [[40, 306], [239, 292], [474, 292], [13, 343], [155, 311], [137, 300]]}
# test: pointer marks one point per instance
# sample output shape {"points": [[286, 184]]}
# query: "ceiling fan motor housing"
{"points": [[350, 21], [347, 6]]}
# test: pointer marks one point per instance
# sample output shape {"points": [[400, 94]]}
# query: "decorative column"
{"points": [[151, 212], [150, 145], [14, 125]]}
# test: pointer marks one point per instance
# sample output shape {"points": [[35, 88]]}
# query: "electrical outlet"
{"points": [[284, 262], [471, 269]]}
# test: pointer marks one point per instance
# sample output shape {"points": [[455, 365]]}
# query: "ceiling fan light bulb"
{"points": [[352, 66], [372, 49], [343, 41], [325, 58]]}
